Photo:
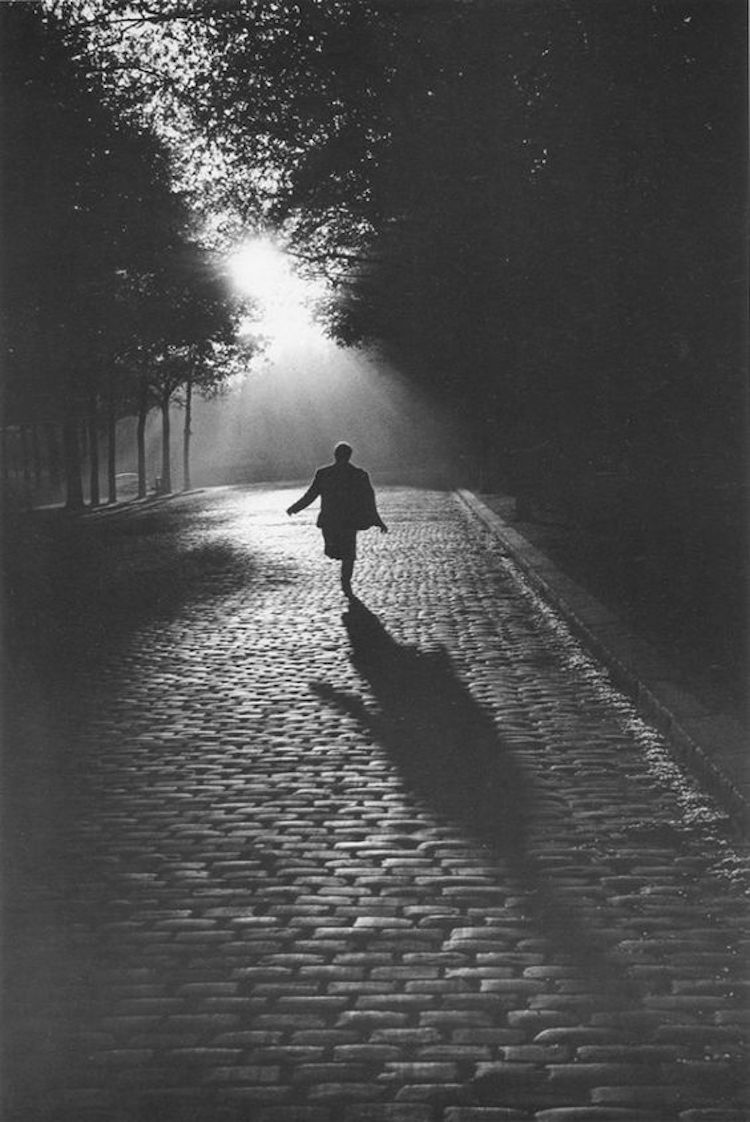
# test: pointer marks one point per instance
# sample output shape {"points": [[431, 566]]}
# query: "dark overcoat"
{"points": [[347, 500]]}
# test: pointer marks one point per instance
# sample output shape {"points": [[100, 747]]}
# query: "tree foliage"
{"points": [[535, 207], [102, 271]]}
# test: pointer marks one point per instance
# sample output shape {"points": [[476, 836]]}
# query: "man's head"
{"points": [[342, 452]]}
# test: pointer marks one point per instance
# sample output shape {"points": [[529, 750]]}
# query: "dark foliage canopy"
{"points": [[97, 243], [535, 206]]}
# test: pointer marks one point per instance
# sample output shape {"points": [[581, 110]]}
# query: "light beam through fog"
{"points": [[302, 395], [305, 393], [285, 418], [259, 269]]}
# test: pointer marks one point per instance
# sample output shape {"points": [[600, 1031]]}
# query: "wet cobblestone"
{"points": [[421, 863]]}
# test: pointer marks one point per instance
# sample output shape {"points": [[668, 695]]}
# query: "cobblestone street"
{"points": [[414, 860]]}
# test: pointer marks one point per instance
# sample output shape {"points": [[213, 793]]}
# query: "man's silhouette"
{"points": [[347, 504]]}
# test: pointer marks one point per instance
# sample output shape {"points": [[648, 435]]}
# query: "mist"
{"points": [[295, 403]]}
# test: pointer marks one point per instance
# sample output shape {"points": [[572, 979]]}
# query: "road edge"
{"points": [[711, 745]]}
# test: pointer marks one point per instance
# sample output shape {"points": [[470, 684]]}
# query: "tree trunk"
{"points": [[186, 434], [111, 443], [93, 451], [141, 437], [73, 486], [166, 461]]}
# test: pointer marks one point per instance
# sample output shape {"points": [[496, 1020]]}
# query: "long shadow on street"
{"points": [[450, 754]]}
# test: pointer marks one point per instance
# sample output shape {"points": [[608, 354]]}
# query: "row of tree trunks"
{"points": [[32, 454]]}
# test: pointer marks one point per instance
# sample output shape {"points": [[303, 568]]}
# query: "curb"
{"points": [[711, 745]]}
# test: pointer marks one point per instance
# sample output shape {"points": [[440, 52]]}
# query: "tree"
{"points": [[187, 313], [211, 367], [88, 205], [535, 208]]}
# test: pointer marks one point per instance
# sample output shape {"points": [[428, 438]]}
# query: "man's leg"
{"points": [[347, 568]]}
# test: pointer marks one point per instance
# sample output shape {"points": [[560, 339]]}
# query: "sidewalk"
{"points": [[705, 735], [272, 858]]}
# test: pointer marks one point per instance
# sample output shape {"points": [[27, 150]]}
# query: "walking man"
{"points": [[347, 504]]}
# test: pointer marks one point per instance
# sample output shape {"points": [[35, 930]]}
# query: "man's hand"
{"points": [[289, 510], [383, 528]]}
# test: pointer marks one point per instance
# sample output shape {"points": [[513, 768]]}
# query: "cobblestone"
{"points": [[422, 863]]}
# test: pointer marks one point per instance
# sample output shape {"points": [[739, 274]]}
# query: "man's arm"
{"points": [[309, 496], [372, 504]]}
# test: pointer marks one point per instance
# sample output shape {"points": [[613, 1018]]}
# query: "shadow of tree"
{"points": [[74, 589], [74, 592], [450, 754]]}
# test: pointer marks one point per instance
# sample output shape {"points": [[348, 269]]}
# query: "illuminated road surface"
{"points": [[406, 865]]}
